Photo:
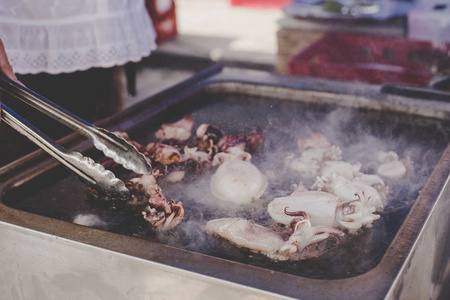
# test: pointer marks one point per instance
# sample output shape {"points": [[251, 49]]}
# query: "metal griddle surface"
{"points": [[360, 132]]}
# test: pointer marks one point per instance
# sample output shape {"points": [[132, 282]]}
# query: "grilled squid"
{"points": [[304, 234], [349, 190], [180, 130], [323, 209], [315, 150], [161, 213], [238, 182], [391, 167], [255, 237], [212, 139], [162, 153]]}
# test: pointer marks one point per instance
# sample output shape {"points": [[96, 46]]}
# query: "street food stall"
{"points": [[328, 179]]}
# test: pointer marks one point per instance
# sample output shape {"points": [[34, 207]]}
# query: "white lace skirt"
{"points": [[61, 36]]}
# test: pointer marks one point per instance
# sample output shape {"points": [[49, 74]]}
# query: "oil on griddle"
{"points": [[360, 133]]}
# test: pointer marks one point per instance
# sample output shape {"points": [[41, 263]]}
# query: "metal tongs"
{"points": [[92, 173]]}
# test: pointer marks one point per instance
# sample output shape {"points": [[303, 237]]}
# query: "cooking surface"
{"points": [[359, 132]]}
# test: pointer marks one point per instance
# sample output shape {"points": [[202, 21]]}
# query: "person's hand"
{"points": [[5, 66]]}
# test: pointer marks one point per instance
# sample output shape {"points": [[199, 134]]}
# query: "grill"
{"points": [[407, 244]]}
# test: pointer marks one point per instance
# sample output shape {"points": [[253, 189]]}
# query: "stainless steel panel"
{"points": [[39, 266]]}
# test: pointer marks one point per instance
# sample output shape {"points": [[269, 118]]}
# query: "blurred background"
{"points": [[402, 41]]}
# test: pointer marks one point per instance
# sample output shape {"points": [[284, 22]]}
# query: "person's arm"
{"points": [[5, 66]]}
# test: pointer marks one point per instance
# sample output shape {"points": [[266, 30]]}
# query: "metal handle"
{"points": [[110, 144], [89, 171], [415, 92]]}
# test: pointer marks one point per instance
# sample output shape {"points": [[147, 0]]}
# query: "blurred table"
{"points": [[295, 34]]}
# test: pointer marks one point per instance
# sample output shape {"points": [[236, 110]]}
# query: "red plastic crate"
{"points": [[371, 59], [261, 3], [160, 8], [165, 22]]}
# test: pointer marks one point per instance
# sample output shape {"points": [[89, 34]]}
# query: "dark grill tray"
{"points": [[359, 129]]}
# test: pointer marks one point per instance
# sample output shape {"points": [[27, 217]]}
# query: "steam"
{"points": [[341, 127], [359, 134]]}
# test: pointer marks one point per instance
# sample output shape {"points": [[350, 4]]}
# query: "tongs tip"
{"points": [[105, 182], [121, 152]]}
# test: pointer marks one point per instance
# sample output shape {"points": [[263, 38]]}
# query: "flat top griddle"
{"points": [[360, 132]]}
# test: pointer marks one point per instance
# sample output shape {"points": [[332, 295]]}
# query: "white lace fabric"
{"points": [[63, 36]]}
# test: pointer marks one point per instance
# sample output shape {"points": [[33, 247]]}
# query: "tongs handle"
{"points": [[112, 146], [92, 173]]}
